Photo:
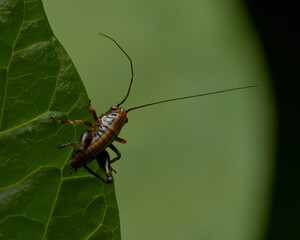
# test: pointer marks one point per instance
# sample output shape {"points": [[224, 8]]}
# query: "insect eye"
{"points": [[114, 108]]}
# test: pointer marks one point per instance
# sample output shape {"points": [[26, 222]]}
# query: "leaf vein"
{"points": [[9, 62]]}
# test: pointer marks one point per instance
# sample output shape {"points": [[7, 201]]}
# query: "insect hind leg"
{"points": [[103, 160], [95, 174]]}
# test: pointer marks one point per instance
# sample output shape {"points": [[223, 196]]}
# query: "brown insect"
{"points": [[93, 142]]}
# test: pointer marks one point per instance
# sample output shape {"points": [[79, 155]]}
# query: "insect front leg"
{"points": [[120, 140], [73, 122], [92, 110], [112, 147]]}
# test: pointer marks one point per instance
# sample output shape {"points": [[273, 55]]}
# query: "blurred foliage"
{"points": [[38, 197]]}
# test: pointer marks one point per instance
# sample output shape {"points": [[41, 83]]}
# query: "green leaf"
{"points": [[38, 197]]}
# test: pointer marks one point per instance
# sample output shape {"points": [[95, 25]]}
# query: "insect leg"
{"points": [[103, 160], [112, 147], [85, 140], [120, 140], [95, 174], [67, 144], [73, 122], [92, 110]]}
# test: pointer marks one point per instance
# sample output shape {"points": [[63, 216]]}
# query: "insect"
{"points": [[101, 135]]}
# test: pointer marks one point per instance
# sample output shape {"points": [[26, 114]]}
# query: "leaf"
{"points": [[38, 197]]}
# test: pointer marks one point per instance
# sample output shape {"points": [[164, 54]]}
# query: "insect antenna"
{"points": [[193, 96], [131, 66]]}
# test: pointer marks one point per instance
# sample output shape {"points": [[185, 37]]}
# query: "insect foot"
{"points": [[109, 180]]}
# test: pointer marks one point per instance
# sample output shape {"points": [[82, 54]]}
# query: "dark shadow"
{"points": [[278, 27]]}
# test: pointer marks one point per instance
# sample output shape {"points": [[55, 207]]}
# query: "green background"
{"points": [[195, 169]]}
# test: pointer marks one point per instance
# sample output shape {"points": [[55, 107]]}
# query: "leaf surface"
{"points": [[38, 197]]}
